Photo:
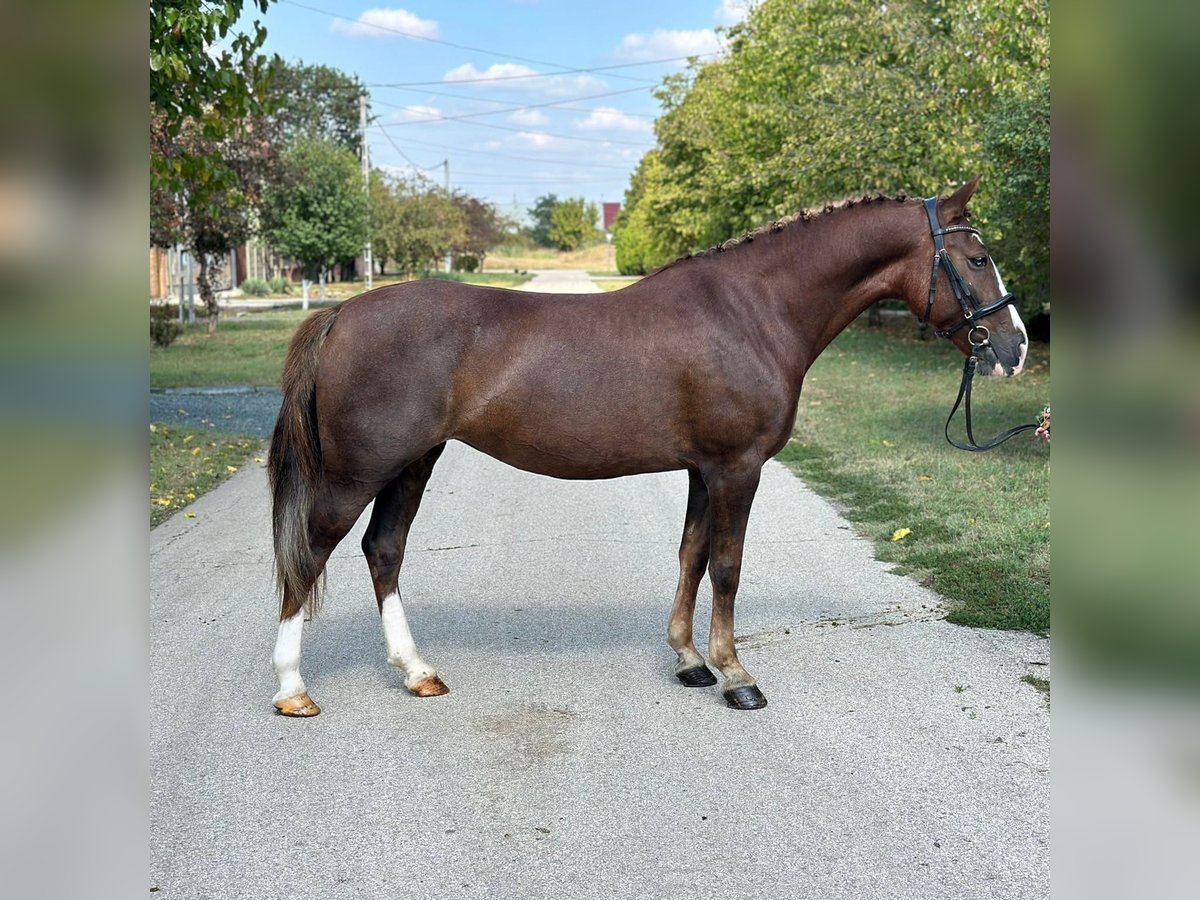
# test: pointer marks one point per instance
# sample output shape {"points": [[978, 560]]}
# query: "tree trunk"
{"points": [[304, 283], [323, 276], [204, 282]]}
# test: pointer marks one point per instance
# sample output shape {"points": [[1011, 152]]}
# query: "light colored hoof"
{"points": [[300, 706], [429, 687]]}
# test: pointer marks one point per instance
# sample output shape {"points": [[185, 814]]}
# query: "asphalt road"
{"points": [[900, 756]]}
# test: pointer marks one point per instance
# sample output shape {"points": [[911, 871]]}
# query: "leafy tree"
{"points": [[425, 226], [309, 101], [483, 225], [190, 80], [573, 223], [212, 209], [1017, 142], [541, 213], [315, 210], [825, 99], [382, 194]]}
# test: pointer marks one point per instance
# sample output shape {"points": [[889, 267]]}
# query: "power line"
{"points": [[526, 130], [508, 109], [648, 62], [537, 159], [476, 98], [421, 37]]}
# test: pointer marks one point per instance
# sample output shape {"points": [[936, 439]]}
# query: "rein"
{"points": [[971, 310], [964, 399]]}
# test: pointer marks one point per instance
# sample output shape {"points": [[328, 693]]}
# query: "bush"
{"points": [[466, 263], [255, 287], [163, 327], [1017, 142], [280, 285]]}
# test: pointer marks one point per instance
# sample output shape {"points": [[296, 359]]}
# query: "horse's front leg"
{"points": [[731, 494], [693, 559]]}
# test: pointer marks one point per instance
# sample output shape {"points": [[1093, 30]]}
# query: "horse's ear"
{"points": [[955, 206]]}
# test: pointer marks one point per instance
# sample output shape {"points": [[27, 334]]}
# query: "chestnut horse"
{"points": [[697, 367]]}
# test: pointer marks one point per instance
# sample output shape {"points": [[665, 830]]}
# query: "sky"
{"points": [[574, 133]]}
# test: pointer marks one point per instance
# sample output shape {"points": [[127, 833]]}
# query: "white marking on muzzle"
{"points": [[402, 650], [287, 657], [1013, 315]]}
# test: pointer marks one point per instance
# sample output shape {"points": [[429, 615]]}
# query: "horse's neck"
{"points": [[831, 270]]}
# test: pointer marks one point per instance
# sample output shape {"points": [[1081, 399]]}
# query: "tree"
{"points": [[427, 225], [192, 81], [1017, 141], [315, 210], [319, 102], [383, 210], [826, 99], [573, 223], [483, 225], [211, 210], [541, 212]]}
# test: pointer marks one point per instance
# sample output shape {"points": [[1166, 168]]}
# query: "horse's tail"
{"points": [[294, 466]]}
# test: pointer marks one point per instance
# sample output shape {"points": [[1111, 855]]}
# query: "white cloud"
{"points": [[529, 117], [528, 140], [730, 12], [608, 118], [418, 112], [386, 23], [512, 76], [663, 43]]}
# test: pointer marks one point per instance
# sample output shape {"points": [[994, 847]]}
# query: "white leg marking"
{"points": [[402, 651], [287, 657]]}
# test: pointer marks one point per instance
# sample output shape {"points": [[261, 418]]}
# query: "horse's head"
{"points": [[963, 296]]}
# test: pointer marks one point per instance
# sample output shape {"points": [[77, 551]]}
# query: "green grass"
{"points": [[249, 346], [187, 462], [1040, 684], [869, 435], [616, 285], [246, 350]]}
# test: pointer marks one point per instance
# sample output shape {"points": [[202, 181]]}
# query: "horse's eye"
{"points": [[978, 261]]}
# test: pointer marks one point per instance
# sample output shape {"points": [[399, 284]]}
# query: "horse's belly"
{"points": [[563, 453]]}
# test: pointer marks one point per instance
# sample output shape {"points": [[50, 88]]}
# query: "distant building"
{"points": [[611, 211]]}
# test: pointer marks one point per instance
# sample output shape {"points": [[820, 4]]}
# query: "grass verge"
{"points": [[869, 435], [615, 284], [249, 346], [598, 257], [187, 462]]}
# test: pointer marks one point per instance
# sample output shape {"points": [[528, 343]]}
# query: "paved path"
{"points": [[899, 757]]}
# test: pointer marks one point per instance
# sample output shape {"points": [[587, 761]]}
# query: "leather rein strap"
{"points": [[964, 399], [971, 312]]}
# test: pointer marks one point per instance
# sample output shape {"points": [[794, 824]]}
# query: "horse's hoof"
{"points": [[429, 687], [700, 676], [748, 697], [300, 706]]}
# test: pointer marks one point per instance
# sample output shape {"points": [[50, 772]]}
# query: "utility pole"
{"points": [[368, 261], [446, 174]]}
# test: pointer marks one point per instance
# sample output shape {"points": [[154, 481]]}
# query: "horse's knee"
{"points": [[724, 577]]}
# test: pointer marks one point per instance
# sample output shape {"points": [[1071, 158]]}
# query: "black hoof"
{"points": [[697, 677], [749, 697]]}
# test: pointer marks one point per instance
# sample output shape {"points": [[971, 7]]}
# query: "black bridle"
{"points": [[972, 311]]}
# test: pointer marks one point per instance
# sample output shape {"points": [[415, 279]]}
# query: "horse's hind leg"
{"points": [[383, 544], [693, 559], [334, 514]]}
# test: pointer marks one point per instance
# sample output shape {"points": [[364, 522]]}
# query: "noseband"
{"points": [[971, 310], [978, 335]]}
